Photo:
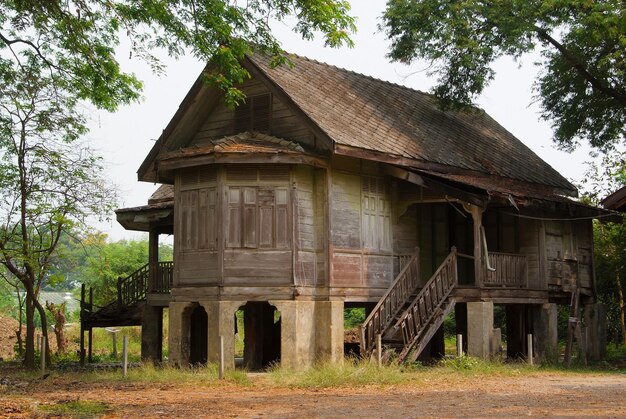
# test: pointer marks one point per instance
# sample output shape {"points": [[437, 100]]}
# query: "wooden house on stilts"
{"points": [[327, 190]]}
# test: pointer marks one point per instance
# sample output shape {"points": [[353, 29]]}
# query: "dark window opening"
{"points": [[254, 115]]}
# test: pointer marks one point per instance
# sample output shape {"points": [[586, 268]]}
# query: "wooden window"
{"points": [[376, 215], [197, 219], [257, 217], [254, 115]]}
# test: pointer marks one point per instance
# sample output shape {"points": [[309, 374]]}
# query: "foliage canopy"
{"points": [[77, 39], [581, 86]]}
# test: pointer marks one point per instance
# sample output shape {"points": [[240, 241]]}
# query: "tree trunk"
{"points": [[29, 354], [621, 307], [58, 311], [44, 327]]}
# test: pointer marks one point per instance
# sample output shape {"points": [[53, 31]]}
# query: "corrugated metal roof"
{"points": [[360, 111]]}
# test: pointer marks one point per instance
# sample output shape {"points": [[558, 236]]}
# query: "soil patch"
{"points": [[542, 394]]}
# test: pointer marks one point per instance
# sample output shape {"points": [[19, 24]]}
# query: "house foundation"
{"points": [[152, 334], [479, 329], [595, 331], [545, 331], [178, 334], [311, 331]]}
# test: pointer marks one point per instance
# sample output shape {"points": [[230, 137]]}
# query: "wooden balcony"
{"points": [[508, 270]]}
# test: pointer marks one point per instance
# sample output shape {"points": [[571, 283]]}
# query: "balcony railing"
{"points": [[510, 270]]}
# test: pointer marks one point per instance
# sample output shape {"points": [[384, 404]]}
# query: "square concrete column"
{"points": [[297, 333], [329, 331], [221, 316], [152, 334], [595, 331], [545, 331], [479, 329], [311, 331], [178, 340]]}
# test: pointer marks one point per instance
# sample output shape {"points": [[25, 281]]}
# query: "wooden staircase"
{"points": [[126, 310], [407, 317]]}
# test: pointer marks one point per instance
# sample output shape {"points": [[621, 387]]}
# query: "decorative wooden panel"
{"points": [[207, 231], [189, 219], [257, 217], [346, 210]]}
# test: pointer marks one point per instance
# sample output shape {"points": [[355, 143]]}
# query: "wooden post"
{"points": [[379, 350], [221, 368], [459, 345], [82, 325], [154, 283], [477, 216], [43, 356], [529, 344], [125, 356]]}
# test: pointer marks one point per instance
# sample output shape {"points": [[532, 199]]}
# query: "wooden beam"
{"points": [[238, 158], [427, 182]]}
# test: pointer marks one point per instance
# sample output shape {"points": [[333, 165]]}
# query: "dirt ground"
{"points": [[542, 394]]}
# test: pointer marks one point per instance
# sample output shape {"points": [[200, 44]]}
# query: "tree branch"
{"points": [[580, 68]]}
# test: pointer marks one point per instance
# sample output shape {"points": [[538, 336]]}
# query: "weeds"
{"points": [[352, 372], [74, 408]]}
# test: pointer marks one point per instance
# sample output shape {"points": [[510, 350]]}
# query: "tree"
{"points": [[77, 39], [581, 86], [49, 182]]}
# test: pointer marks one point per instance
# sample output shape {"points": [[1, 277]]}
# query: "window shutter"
{"points": [[189, 218], [233, 228], [249, 217], [282, 219]]}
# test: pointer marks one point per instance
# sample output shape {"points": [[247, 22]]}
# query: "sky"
{"points": [[124, 138]]}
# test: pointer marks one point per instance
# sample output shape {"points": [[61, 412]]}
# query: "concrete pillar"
{"points": [[479, 329], [545, 332], [178, 340], [311, 331], [595, 331], [221, 316], [329, 331], [152, 334]]}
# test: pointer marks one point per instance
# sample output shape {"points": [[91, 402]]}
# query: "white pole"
{"points": [[529, 338], [221, 371], [379, 350], [43, 356], [125, 356], [459, 345]]}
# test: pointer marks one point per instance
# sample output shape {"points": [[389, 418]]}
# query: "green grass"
{"points": [[149, 373], [74, 408], [352, 372]]}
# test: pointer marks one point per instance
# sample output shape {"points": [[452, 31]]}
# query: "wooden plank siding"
{"points": [[367, 232], [284, 123]]}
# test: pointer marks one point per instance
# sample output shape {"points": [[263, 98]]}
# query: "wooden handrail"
{"points": [[135, 286], [381, 317], [417, 317]]}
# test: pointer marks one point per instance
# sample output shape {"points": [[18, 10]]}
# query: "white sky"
{"points": [[124, 138]]}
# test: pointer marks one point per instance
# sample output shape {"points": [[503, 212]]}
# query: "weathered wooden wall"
{"points": [[369, 228], [234, 226], [310, 227], [284, 124], [568, 253], [195, 227]]}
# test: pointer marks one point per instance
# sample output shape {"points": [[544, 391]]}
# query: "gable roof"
{"points": [[362, 112], [378, 120]]}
